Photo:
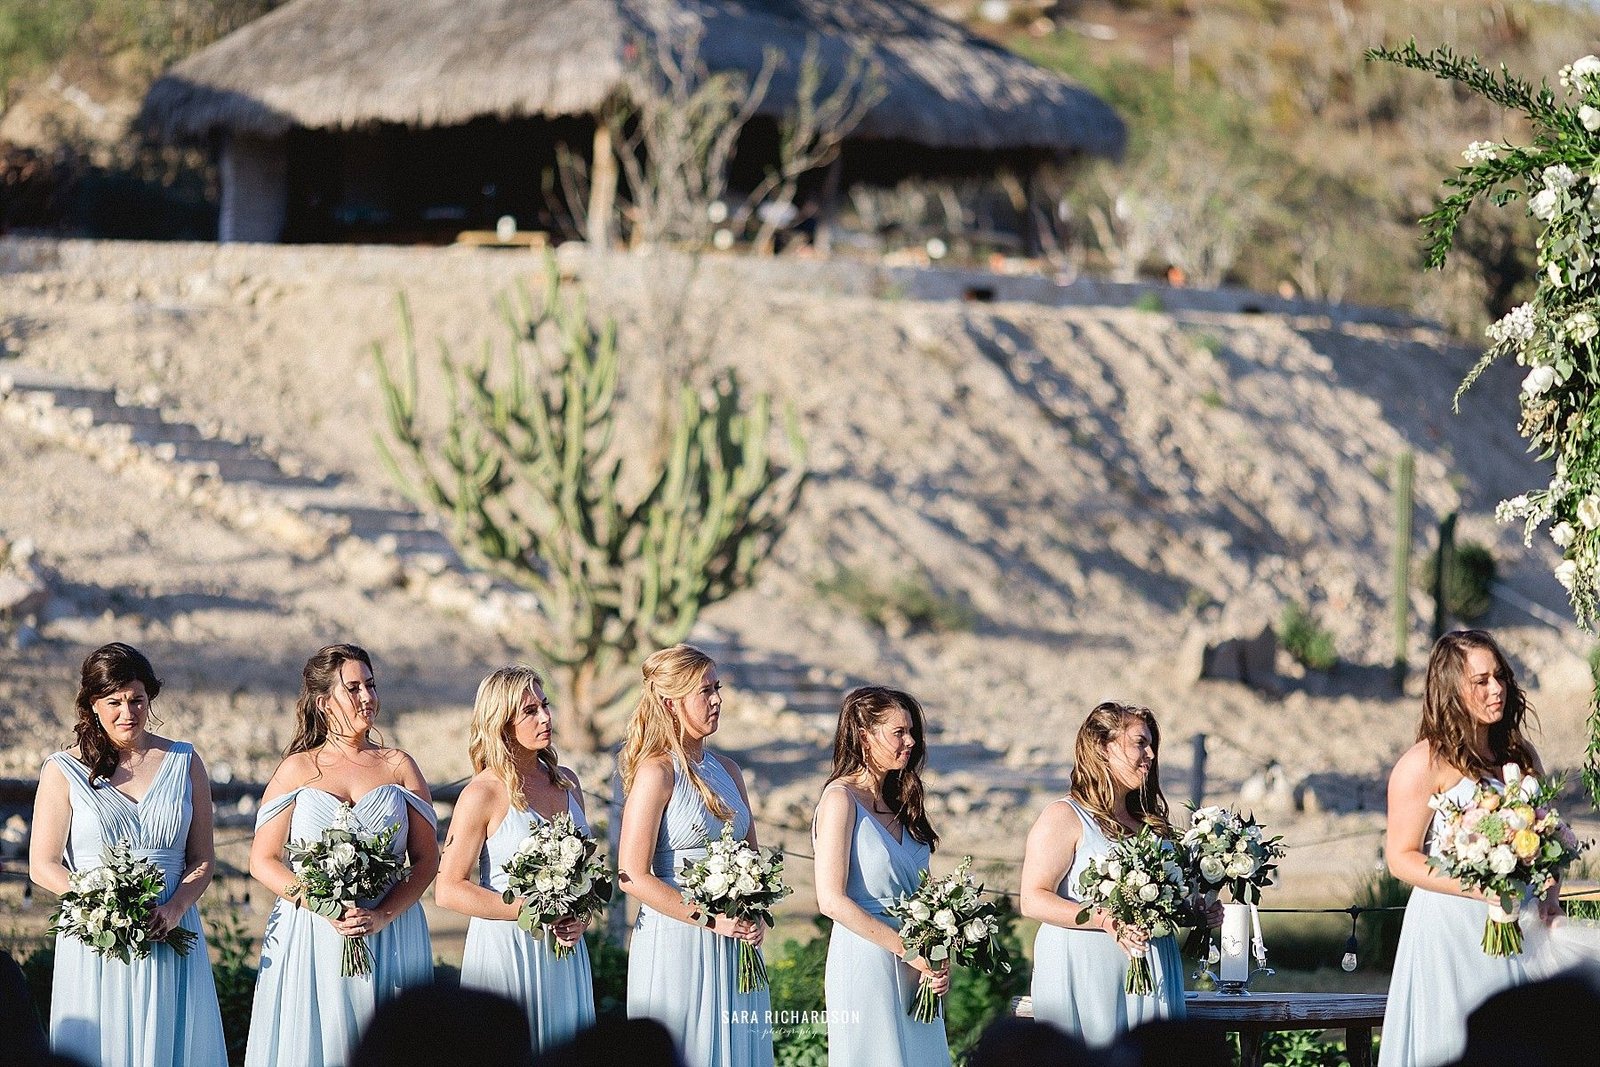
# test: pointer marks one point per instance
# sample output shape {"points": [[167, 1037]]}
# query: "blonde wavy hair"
{"points": [[1092, 784], [653, 730], [493, 735]]}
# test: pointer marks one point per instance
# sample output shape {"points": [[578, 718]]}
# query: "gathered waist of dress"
{"points": [[666, 862]]}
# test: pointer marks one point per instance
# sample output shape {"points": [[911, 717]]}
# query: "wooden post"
{"points": [[602, 187], [1443, 560], [1197, 771], [829, 206]]}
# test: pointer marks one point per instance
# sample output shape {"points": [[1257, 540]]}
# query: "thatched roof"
{"points": [[336, 64]]}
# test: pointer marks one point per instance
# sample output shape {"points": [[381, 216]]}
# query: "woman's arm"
{"points": [[266, 849], [52, 820], [457, 888], [1046, 858], [1411, 783], [200, 853]]}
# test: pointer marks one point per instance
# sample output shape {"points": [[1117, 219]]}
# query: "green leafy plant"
{"points": [[229, 933], [1468, 579], [797, 975], [1306, 640], [908, 602], [608, 963]]}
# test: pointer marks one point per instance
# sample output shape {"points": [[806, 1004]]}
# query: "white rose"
{"points": [[1538, 381], [1107, 888], [1543, 204], [745, 886], [716, 885], [1588, 512], [1212, 869], [1567, 574], [1562, 534], [1149, 892], [1113, 869], [1241, 867], [919, 911], [716, 865], [945, 919], [976, 930], [1502, 860], [571, 847], [1590, 117], [1583, 326], [1587, 67]]}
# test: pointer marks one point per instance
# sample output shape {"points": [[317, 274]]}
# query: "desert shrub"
{"points": [[797, 976], [1467, 579], [905, 603], [228, 930], [608, 962], [1306, 640]]}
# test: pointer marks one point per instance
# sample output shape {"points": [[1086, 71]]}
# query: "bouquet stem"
{"points": [[356, 959], [180, 940], [926, 1005], [557, 949], [1502, 936], [752, 968], [1140, 982]]}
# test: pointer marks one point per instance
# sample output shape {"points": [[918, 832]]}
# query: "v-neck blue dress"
{"points": [[158, 1010], [684, 976], [306, 1014], [500, 957], [869, 991]]}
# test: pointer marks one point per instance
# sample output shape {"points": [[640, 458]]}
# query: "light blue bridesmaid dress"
{"points": [[1441, 972], [684, 976], [869, 990], [158, 1010], [1078, 975], [306, 1014], [502, 958]]}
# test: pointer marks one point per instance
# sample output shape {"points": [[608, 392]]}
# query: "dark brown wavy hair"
{"points": [[1447, 726], [864, 708], [317, 680], [109, 669], [1092, 784]]}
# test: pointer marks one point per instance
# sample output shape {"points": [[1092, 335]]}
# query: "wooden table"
{"points": [[1260, 1013]]}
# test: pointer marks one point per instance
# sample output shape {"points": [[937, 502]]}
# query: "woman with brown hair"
{"points": [[1079, 970], [873, 842], [1472, 716], [519, 782], [124, 784], [306, 1014], [683, 963]]}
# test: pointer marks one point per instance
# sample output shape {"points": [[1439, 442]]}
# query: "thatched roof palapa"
{"points": [[340, 64]]}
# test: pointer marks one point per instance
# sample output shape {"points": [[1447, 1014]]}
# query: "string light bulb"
{"points": [[1349, 962]]}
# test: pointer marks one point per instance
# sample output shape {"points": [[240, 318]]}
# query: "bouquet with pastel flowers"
{"points": [[343, 866], [948, 921], [108, 907], [1224, 850], [741, 882], [1142, 883], [555, 873], [1508, 842]]}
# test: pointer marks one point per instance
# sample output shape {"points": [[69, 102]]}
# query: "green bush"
{"points": [[797, 976], [608, 962], [229, 932], [1300, 1048], [1467, 580], [909, 600], [1306, 640]]}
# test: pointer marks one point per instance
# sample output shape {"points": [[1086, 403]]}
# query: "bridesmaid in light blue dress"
{"points": [[1472, 714], [306, 1014], [519, 782], [873, 841], [125, 784], [1079, 970], [683, 964]]}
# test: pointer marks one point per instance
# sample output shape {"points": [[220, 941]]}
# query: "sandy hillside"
{"points": [[1101, 488]]}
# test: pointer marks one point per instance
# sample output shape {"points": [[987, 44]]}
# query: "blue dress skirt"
{"points": [[159, 1010], [686, 977], [502, 958], [306, 1014]]}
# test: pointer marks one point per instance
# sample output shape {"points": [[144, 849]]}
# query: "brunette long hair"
{"points": [[653, 730], [864, 708], [108, 669], [1446, 724], [1092, 784], [317, 679], [498, 701]]}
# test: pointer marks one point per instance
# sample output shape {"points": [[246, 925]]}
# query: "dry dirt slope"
{"points": [[1097, 484]]}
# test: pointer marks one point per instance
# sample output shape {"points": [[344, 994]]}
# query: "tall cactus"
{"points": [[1405, 465], [529, 477]]}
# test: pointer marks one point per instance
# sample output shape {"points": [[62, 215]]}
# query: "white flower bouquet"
{"points": [[1226, 851], [740, 882], [1141, 882], [108, 908], [555, 873], [1507, 842], [343, 866], [948, 921], [1556, 334]]}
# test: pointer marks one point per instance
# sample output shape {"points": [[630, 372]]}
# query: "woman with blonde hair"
{"points": [[519, 782], [873, 842], [1079, 969], [683, 963], [306, 1014], [1472, 716]]}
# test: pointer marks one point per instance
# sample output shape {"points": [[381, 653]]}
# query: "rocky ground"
{"points": [[1088, 496]]}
